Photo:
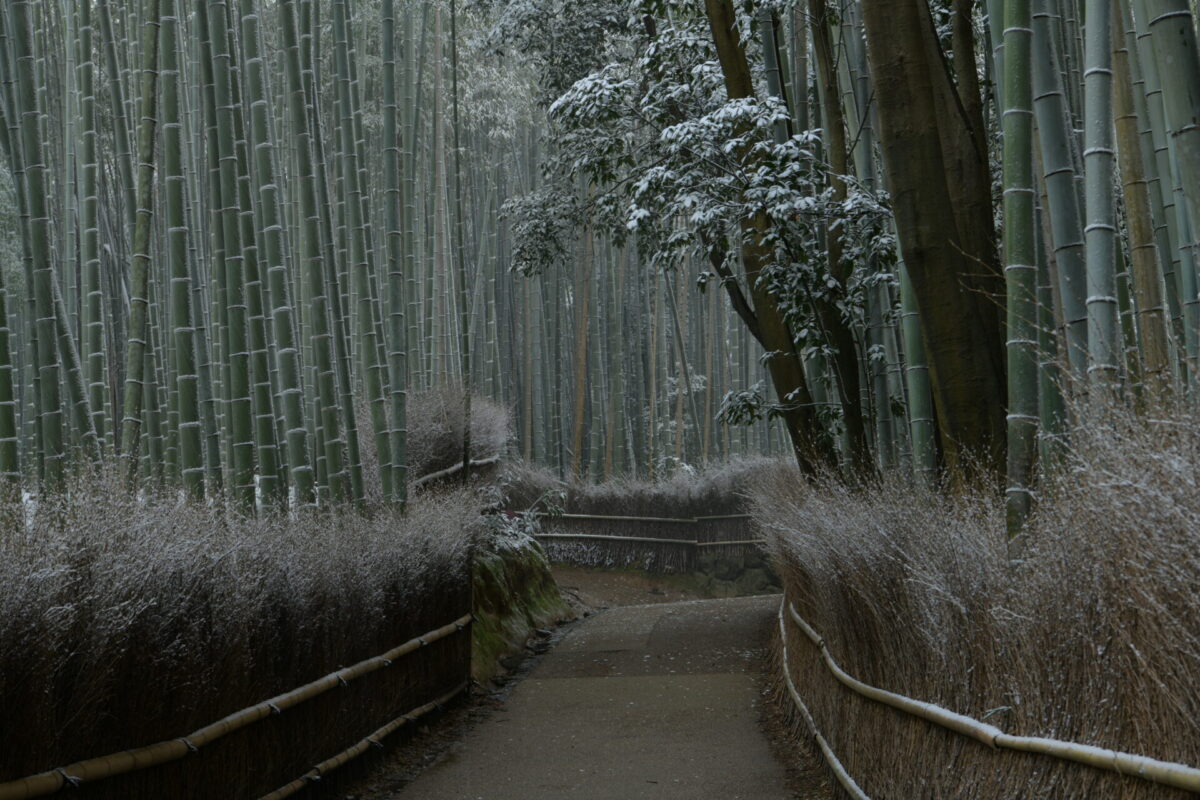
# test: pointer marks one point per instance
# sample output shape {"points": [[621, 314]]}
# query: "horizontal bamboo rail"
{"points": [[350, 753], [443, 473], [1167, 773], [617, 518], [94, 769], [649, 539], [835, 764]]}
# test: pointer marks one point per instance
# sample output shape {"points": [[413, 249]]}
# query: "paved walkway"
{"points": [[637, 702]]}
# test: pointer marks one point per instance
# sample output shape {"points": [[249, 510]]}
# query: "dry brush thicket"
{"points": [[715, 490], [1092, 635], [127, 621], [435, 435], [437, 442]]}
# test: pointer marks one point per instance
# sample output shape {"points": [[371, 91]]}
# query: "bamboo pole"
{"points": [[1100, 232], [1180, 776], [131, 423], [1020, 269], [375, 739], [835, 764], [126, 761]]}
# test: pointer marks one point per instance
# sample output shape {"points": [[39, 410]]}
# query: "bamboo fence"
{"points": [[675, 543], [1179, 776], [141, 758]]}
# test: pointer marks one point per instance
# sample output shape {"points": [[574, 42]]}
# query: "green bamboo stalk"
{"points": [[1146, 282], [411, 108], [916, 375], [1051, 410], [187, 403], [464, 289], [1172, 29], [271, 484], [239, 406], [394, 200], [77, 398], [152, 440], [287, 362], [92, 340], [120, 117], [31, 174], [131, 423], [1020, 267], [311, 257], [1057, 142], [1161, 198], [212, 350], [368, 346], [1100, 233]]}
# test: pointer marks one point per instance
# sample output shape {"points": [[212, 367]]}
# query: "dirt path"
{"points": [[650, 701]]}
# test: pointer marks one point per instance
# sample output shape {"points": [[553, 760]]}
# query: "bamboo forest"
{"points": [[734, 398]]}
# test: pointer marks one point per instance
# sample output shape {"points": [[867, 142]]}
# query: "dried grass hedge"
{"points": [[436, 443], [124, 623], [435, 434], [716, 491], [1092, 636]]}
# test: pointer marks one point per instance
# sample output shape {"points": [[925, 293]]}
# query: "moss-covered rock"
{"points": [[514, 595]]}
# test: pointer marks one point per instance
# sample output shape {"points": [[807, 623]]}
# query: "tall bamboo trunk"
{"points": [[131, 423]]}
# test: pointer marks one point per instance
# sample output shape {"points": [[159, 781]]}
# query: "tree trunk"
{"points": [[784, 364], [959, 325]]}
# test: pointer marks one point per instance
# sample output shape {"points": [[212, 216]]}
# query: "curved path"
{"points": [[658, 701]]}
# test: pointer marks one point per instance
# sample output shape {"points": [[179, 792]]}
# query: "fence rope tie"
{"points": [[839, 771], [1168, 773], [140, 758]]}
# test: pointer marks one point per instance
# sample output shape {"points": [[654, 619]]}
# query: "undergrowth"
{"points": [[126, 620], [716, 490], [1091, 635]]}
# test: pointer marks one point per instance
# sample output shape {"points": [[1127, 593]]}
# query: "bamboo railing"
{"points": [[448, 471], [350, 753], [140, 758], [835, 764], [1167, 773], [676, 546]]}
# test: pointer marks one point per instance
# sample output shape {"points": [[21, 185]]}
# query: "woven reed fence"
{"points": [[1146, 768], [278, 746], [656, 544]]}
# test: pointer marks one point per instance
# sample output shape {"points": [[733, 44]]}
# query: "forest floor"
{"points": [[653, 694]]}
